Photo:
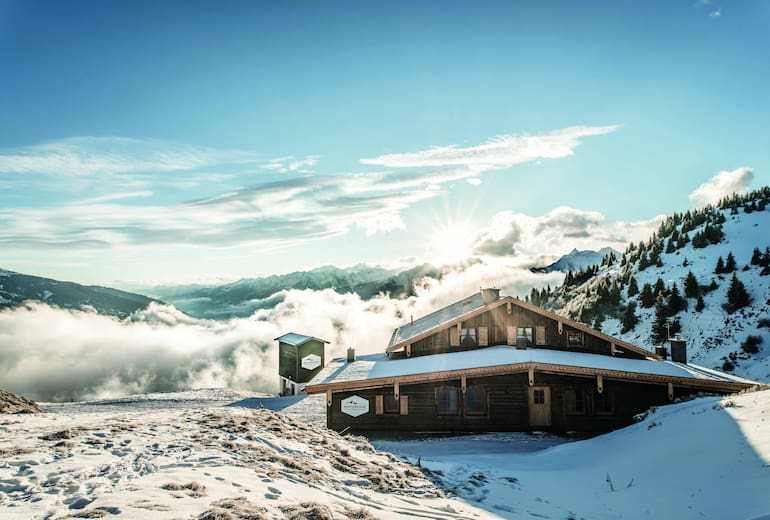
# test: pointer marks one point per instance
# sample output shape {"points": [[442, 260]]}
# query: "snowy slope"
{"points": [[209, 462], [706, 458], [712, 334]]}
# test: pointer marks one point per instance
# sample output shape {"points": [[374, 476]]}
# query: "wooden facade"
{"points": [[300, 359], [594, 383], [510, 321]]}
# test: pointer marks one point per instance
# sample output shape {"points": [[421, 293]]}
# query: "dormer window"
{"points": [[575, 338], [468, 338]]}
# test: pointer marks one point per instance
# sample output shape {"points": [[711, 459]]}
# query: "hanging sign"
{"points": [[311, 362], [354, 406]]}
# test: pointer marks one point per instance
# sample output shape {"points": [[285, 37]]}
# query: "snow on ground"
{"points": [[153, 457], [150, 461], [705, 458]]}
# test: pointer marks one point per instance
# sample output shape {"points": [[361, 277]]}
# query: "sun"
{"points": [[449, 242]]}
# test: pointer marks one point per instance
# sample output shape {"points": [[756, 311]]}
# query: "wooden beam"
{"points": [[670, 391], [463, 383], [726, 386], [395, 390], [561, 326], [409, 350], [531, 374], [599, 383], [612, 348], [328, 396]]}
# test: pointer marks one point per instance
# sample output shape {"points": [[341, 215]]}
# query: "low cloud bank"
{"points": [[52, 354]]}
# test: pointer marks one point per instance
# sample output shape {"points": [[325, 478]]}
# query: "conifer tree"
{"points": [[720, 267], [629, 319], [675, 301], [737, 297], [700, 304], [691, 287], [647, 297], [660, 288], [756, 256], [633, 288], [730, 264], [658, 334]]}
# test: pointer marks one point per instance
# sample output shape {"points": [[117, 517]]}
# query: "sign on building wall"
{"points": [[354, 406], [311, 362]]}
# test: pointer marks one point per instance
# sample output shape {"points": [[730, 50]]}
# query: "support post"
{"points": [[531, 376]]}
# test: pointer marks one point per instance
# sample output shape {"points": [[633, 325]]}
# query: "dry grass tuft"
{"points": [[192, 488], [359, 514], [307, 511], [234, 509]]}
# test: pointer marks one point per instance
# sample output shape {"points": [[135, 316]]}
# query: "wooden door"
{"points": [[539, 406]]}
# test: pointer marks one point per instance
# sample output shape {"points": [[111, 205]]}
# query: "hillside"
{"points": [[16, 288], [725, 327], [243, 297]]}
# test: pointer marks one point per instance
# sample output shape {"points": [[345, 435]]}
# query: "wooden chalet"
{"points": [[488, 363]]}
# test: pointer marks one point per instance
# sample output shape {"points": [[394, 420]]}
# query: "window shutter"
{"points": [[539, 335], [454, 336], [483, 337], [379, 406], [511, 335], [403, 404]]}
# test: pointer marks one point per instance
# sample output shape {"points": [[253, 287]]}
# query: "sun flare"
{"points": [[450, 242]]}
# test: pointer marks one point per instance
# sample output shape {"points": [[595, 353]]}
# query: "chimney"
{"points": [[661, 351], [351, 355], [678, 349], [490, 295]]}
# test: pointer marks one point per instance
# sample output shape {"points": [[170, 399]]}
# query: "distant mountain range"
{"points": [[16, 288], [576, 260], [243, 297]]}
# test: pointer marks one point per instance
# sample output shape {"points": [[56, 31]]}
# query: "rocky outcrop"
{"points": [[12, 403]]}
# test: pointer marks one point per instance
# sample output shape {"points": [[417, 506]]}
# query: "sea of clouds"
{"points": [[52, 354]]}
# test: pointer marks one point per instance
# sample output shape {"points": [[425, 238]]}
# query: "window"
{"points": [[574, 402], [390, 404], [574, 338], [525, 332], [604, 403], [476, 400], [468, 337], [447, 399], [538, 396]]}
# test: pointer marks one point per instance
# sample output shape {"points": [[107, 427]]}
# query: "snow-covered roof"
{"points": [[292, 338], [378, 366], [445, 315]]}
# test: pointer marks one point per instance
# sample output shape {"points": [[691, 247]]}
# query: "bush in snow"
{"points": [[751, 345]]}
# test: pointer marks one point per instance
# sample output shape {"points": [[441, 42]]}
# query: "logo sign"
{"points": [[311, 362], [355, 406]]}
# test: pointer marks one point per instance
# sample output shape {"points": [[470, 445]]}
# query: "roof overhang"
{"points": [[546, 368]]}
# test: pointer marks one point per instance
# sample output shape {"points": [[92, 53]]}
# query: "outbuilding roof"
{"points": [[378, 370], [292, 338]]}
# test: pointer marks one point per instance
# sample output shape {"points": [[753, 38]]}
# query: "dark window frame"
{"points": [[538, 396], [607, 396], [575, 338], [395, 408], [483, 392], [577, 403], [472, 335], [453, 390]]}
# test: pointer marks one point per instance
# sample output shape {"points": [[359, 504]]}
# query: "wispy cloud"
{"points": [[500, 152], [715, 14], [292, 164], [723, 184], [89, 156]]}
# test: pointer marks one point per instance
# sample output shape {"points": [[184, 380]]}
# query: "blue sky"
{"points": [[175, 141]]}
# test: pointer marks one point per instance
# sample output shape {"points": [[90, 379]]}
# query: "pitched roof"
{"points": [[436, 319], [378, 370], [474, 305], [292, 338]]}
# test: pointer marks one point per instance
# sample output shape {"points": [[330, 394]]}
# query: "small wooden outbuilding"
{"points": [[300, 358]]}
